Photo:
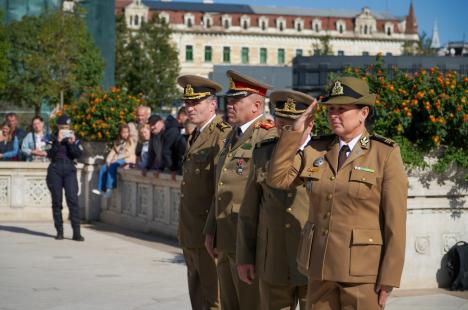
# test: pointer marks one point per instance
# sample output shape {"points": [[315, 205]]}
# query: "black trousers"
{"points": [[62, 175]]}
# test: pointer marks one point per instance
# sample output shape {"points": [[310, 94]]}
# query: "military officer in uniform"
{"points": [[271, 220], [197, 188], [245, 106], [353, 245], [61, 174]]}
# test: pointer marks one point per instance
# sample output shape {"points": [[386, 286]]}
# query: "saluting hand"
{"points": [[307, 118]]}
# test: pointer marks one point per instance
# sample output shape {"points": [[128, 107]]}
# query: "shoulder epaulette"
{"points": [[382, 139], [266, 142], [323, 137], [223, 125], [265, 124]]}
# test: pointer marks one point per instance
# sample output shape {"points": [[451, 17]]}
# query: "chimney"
{"points": [[411, 26]]}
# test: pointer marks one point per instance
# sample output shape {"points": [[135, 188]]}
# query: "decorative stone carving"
{"points": [[4, 191], [145, 200], [175, 205], [422, 245], [160, 214], [37, 192], [449, 241], [128, 198]]}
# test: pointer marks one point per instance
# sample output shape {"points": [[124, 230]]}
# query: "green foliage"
{"points": [[323, 48], [422, 47], [98, 114], [51, 55], [4, 46], [424, 112], [146, 61]]}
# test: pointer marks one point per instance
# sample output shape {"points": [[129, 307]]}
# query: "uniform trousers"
{"points": [[282, 296], [202, 279], [329, 295], [235, 294], [62, 176]]}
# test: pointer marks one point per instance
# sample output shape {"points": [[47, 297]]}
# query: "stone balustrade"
{"points": [[437, 215]]}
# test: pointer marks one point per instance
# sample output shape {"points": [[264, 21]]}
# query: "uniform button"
{"points": [[290, 195], [287, 225], [327, 215], [371, 240], [329, 196], [325, 232], [332, 178], [229, 155], [289, 209], [206, 211], [219, 198], [224, 169], [221, 183], [363, 179], [183, 182], [181, 195]]}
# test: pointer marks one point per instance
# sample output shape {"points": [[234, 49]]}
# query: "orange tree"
{"points": [[425, 112], [98, 114]]}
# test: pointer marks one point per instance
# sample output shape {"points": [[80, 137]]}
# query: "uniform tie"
{"points": [[342, 155], [194, 136], [237, 136]]}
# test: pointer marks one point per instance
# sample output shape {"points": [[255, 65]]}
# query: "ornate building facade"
{"points": [[208, 34]]}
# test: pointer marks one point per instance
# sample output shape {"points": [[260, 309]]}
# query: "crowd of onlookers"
{"points": [[151, 144]]}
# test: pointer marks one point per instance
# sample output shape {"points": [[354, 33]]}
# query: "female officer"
{"points": [[352, 247], [61, 174]]}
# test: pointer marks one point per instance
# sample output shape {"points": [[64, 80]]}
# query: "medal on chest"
{"points": [[240, 166]]}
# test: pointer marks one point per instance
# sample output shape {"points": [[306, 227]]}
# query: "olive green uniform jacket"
{"points": [[197, 187], [270, 223], [356, 228], [231, 177]]}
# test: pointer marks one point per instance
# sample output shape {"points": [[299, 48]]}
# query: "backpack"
{"points": [[457, 265]]}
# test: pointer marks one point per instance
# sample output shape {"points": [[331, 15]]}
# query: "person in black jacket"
{"points": [[61, 174], [174, 146], [155, 147]]}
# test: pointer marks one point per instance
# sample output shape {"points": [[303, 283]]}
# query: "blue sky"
{"points": [[451, 15]]}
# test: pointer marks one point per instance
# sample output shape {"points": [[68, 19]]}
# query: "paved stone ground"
{"points": [[120, 270]]}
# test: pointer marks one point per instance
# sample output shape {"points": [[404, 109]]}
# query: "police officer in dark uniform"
{"points": [[61, 174]]}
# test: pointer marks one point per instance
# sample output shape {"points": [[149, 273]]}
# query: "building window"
{"points": [[226, 54], [188, 53], [245, 22], [365, 29], [136, 20], [280, 24], [365, 53], [388, 54], [245, 55], [281, 56], [299, 52], [263, 55], [263, 25], [317, 52], [340, 53], [208, 53], [316, 25], [207, 21], [164, 17], [226, 21], [131, 20], [189, 20], [245, 25], [341, 28], [299, 24]]}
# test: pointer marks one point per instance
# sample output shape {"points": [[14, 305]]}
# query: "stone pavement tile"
{"points": [[104, 272], [426, 302]]}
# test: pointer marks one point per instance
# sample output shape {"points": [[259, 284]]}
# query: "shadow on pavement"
{"points": [[164, 243], [22, 230]]}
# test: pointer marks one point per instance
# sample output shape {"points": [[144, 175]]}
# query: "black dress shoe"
{"points": [[78, 238], [59, 236]]}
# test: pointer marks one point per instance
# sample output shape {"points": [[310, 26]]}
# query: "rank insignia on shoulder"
{"points": [[246, 146], [223, 125], [370, 170], [318, 162], [266, 124], [383, 139], [313, 169]]}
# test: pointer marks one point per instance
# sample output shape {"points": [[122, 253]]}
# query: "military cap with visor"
{"points": [[349, 90], [63, 120], [290, 103], [241, 85], [197, 87]]}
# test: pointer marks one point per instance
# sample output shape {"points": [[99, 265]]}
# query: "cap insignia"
{"points": [[337, 89], [290, 105], [189, 90]]}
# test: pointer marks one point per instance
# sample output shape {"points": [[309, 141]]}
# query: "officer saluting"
{"points": [[271, 220], [61, 174]]}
